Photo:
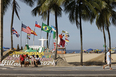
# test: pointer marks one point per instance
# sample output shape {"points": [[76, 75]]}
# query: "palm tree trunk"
{"points": [[56, 33], [81, 34], [12, 25], [1, 30], [104, 43], [109, 37], [48, 25]]}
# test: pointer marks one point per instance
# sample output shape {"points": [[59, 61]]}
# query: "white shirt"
{"points": [[107, 56], [37, 58]]}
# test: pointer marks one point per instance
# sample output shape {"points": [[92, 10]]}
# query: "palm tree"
{"points": [[15, 8], [78, 10], [55, 6], [111, 17], [1, 30], [103, 19], [6, 3], [44, 15], [100, 21]]}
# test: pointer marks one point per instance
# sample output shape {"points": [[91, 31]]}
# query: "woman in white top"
{"points": [[37, 60]]}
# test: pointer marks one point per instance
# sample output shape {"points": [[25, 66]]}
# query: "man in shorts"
{"points": [[108, 59]]}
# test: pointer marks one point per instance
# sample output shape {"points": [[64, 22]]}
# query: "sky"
{"points": [[92, 37]]}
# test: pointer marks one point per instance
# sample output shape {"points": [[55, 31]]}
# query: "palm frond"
{"points": [[29, 2], [6, 4]]}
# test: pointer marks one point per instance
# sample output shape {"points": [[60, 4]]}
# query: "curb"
{"points": [[57, 75]]}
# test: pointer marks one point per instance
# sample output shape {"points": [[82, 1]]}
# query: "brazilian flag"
{"points": [[46, 28]]}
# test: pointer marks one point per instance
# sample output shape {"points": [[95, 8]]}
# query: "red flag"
{"points": [[32, 32], [37, 25]]}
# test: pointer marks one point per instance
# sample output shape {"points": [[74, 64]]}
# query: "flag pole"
{"points": [[40, 36], [52, 43], [21, 37], [49, 40], [33, 37], [27, 40]]}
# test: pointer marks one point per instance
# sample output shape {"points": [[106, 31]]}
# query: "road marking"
{"points": [[11, 67], [3, 68]]}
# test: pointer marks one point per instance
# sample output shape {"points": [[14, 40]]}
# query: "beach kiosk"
{"points": [[61, 50]]}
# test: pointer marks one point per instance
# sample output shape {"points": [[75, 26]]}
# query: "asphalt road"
{"points": [[57, 72]]}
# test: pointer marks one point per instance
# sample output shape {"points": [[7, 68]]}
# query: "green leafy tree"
{"points": [[101, 20], [15, 8], [111, 17], [106, 16], [78, 10], [45, 14]]}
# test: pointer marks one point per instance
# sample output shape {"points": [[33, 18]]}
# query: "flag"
{"points": [[66, 40], [54, 35], [37, 24], [45, 28], [28, 36], [66, 32], [62, 42], [53, 29], [32, 32], [15, 32], [25, 29], [67, 35], [63, 31]]}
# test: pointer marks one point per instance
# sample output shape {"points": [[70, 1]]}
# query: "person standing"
{"points": [[108, 59]]}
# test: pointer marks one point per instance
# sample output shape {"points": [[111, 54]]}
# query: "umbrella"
{"points": [[90, 49]]}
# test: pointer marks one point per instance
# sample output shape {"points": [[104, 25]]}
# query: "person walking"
{"points": [[108, 59]]}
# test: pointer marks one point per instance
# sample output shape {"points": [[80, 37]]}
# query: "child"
{"points": [[32, 60]]}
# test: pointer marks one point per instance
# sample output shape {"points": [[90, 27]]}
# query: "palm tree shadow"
{"points": [[7, 53], [87, 63]]}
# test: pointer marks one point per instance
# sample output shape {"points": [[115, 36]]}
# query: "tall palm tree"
{"points": [[55, 6], [1, 30], [78, 10], [103, 19], [44, 15], [15, 8], [100, 21], [111, 17]]}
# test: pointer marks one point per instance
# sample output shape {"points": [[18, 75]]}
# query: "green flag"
{"points": [[63, 31], [54, 35], [104, 46], [46, 28]]}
